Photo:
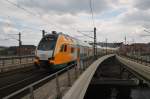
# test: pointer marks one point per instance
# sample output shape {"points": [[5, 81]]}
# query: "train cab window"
{"points": [[65, 48], [47, 43]]}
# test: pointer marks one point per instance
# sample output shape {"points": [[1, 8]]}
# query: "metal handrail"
{"points": [[37, 82], [16, 57], [138, 58], [13, 62], [139, 70]]}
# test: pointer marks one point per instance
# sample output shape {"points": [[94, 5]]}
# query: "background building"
{"points": [[136, 48], [16, 50]]}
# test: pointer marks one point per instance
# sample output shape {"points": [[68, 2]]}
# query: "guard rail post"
{"points": [[3, 64], [148, 60], [76, 74], [68, 76], [26, 59], [141, 59], [83, 64], [31, 92], [32, 59], [12, 60], [57, 87], [20, 60], [136, 59], [86, 63]]}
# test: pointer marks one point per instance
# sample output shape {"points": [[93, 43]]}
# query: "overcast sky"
{"points": [[114, 19]]}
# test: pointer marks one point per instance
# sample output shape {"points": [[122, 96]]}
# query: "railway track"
{"points": [[28, 83], [18, 80]]}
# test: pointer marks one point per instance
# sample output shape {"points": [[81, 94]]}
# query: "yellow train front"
{"points": [[58, 50]]}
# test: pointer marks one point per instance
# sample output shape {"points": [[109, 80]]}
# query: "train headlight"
{"points": [[36, 60], [51, 58], [36, 57]]}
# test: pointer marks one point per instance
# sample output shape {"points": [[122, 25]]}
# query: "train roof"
{"points": [[77, 41]]}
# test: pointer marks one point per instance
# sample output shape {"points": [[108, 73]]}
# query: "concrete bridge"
{"points": [[120, 76]]}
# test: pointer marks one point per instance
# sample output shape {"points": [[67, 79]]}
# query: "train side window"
{"points": [[65, 48], [78, 52], [62, 48], [72, 50]]}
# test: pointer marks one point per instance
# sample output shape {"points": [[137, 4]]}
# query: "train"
{"points": [[58, 50]]}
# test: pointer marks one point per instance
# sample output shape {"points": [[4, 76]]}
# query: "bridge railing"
{"points": [[11, 62], [72, 72], [138, 58], [138, 70]]}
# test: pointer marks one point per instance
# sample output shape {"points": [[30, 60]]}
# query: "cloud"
{"points": [[113, 18], [6, 26], [141, 4], [65, 6], [135, 17]]}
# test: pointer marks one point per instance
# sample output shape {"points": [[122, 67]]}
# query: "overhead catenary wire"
{"points": [[146, 26], [30, 12], [85, 34], [144, 35], [33, 14], [147, 31], [20, 7], [38, 15], [92, 13]]}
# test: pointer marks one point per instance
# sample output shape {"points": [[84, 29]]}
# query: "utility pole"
{"points": [[106, 46], [125, 40], [95, 44], [43, 33], [20, 43]]}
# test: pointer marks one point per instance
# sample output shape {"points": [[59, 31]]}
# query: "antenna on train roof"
{"points": [[54, 32], [60, 33], [43, 33]]}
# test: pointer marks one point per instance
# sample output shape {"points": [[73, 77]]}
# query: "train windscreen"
{"points": [[47, 43]]}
